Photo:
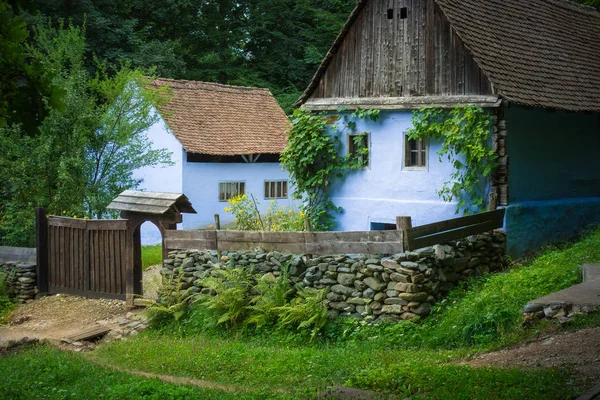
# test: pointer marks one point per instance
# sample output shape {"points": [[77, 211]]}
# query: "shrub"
{"points": [[277, 218]]}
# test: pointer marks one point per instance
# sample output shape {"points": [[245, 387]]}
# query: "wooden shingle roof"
{"points": [[540, 53], [151, 202], [215, 119]]}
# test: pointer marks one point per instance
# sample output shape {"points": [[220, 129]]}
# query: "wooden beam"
{"points": [[41, 244], [401, 103]]}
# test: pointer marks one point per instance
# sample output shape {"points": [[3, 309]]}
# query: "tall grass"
{"points": [[489, 308]]}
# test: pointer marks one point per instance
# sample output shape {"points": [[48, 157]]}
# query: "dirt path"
{"points": [[59, 316], [579, 349]]}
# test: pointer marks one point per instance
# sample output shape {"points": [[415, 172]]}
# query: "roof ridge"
{"points": [[217, 85]]}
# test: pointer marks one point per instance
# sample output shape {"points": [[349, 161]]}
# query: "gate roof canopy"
{"points": [[156, 203]]}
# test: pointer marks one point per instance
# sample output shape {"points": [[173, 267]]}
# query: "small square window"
{"points": [[403, 13], [276, 190], [415, 153], [228, 190], [358, 147]]}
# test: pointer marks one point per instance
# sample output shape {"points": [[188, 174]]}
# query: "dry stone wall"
{"points": [[401, 286], [20, 280]]}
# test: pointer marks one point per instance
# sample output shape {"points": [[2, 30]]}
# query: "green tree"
{"points": [[85, 150]]}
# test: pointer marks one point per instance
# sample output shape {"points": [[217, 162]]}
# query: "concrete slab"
{"points": [[590, 272], [586, 294]]}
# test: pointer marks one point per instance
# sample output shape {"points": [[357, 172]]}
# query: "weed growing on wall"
{"points": [[313, 159], [465, 135]]}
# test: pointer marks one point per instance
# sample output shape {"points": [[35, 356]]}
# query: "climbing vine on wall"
{"points": [[313, 159], [465, 135]]}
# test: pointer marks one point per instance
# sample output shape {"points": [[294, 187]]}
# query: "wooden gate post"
{"points": [[41, 244], [403, 224]]}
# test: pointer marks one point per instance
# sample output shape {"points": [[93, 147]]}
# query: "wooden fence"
{"points": [[367, 242], [86, 257]]}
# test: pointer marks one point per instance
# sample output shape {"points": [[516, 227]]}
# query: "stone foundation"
{"points": [[401, 286], [21, 280]]}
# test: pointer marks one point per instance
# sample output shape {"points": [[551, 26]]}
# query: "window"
{"points": [[403, 13], [390, 13], [228, 190], [415, 153], [358, 146], [276, 190]]}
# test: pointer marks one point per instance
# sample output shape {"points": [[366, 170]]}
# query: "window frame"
{"points": [[350, 146], [276, 182], [239, 183], [407, 154]]}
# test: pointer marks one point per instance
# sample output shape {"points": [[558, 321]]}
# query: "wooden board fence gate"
{"points": [[87, 257]]}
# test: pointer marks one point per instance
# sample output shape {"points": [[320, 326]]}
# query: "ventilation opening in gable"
{"points": [[390, 13], [403, 13]]}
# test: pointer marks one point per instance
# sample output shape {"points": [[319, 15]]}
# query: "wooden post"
{"points": [[307, 227], [41, 244], [218, 228], [403, 224]]}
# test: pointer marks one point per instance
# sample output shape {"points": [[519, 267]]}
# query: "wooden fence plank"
{"points": [[444, 237], [67, 222], [423, 230], [107, 224], [192, 234], [184, 244], [42, 249]]}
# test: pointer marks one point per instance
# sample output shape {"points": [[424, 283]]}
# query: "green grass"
{"points": [[151, 255], [46, 373]]}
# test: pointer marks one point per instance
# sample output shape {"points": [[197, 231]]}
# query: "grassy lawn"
{"points": [[46, 373], [151, 255]]}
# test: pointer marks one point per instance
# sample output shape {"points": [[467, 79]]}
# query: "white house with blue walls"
{"points": [[225, 140], [534, 65]]}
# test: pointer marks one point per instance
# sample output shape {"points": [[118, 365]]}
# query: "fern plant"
{"points": [[232, 288], [173, 303], [305, 312], [270, 297]]}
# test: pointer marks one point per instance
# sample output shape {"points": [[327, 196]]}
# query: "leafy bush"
{"points": [[277, 218], [6, 304]]}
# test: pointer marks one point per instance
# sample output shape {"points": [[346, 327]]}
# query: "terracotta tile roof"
{"points": [[215, 119], [541, 53]]}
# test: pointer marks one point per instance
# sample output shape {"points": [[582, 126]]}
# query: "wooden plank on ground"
{"points": [[89, 333]]}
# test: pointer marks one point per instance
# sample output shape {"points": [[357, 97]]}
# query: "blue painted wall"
{"points": [[553, 154], [200, 183], [554, 178], [385, 189]]}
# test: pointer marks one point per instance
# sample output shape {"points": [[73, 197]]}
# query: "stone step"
{"points": [[590, 272]]}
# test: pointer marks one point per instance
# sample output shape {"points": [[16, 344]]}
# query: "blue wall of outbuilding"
{"points": [[554, 176]]}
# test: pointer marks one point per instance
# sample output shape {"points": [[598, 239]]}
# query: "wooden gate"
{"points": [[87, 257]]}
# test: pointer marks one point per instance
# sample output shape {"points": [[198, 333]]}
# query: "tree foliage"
{"points": [[86, 147]]}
